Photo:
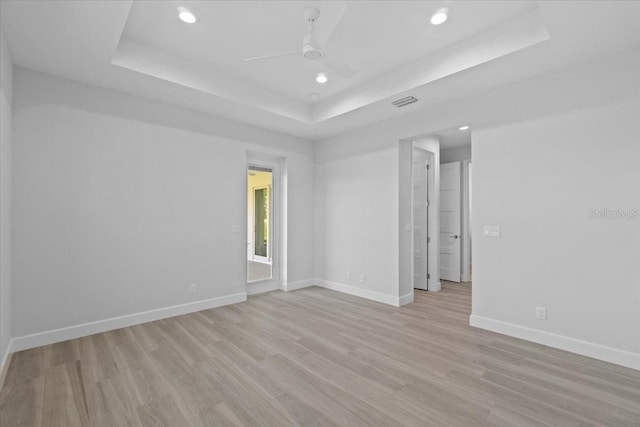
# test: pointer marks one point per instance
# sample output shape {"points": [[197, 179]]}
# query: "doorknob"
{"points": [[455, 236]]}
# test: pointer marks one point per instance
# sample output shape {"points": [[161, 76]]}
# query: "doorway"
{"points": [[266, 226], [455, 204], [259, 223]]}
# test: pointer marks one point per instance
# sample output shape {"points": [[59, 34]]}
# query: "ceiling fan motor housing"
{"points": [[309, 50]]}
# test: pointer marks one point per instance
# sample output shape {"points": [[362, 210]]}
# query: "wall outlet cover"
{"points": [[491, 231]]}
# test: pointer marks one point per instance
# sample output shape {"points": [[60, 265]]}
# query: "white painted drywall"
{"points": [[455, 154], [539, 180], [357, 213], [121, 203], [6, 144], [357, 207]]}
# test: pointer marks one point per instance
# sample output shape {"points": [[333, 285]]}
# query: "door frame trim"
{"points": [[466, 225]]}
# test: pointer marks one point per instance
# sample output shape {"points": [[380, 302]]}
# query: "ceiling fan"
{"points": [[320, 28]]}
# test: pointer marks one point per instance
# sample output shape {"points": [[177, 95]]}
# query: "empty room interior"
{"points": [[319, 212]]}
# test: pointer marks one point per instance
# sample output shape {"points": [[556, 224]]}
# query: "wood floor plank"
{"points": [[220, 415], [61, 353], [315, 357], [21, 403], [64, 402], [25, 365], [247, 403], [295, 382], [97, 356], [163, 413], [113, 401]]}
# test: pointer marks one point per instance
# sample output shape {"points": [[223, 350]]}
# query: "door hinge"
{"points": [[428, 203], [428, 276], [427, 166], [428, 239]]}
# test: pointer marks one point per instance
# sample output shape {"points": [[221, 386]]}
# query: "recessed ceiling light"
{"points": [[463, 127], [186, 16], [322, 78], [440, 16]]}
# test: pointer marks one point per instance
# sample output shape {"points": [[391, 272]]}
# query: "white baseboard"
{"points": [[62, 334], [437, 287], [262, 287], [406, 299], [585, 348], [359, 292], [4, 363], [298, 285]]}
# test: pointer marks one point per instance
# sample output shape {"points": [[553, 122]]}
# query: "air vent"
{"points": [[404, 101]]}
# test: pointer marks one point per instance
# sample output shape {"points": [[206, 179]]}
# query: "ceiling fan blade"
{"points": [[255, 58], [343, 70], [330, 16]]}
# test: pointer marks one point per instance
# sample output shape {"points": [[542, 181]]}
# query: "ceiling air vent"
{"points": [[404, 101]]}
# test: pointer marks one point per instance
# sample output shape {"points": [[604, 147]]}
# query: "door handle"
{"points": [[455, 236]]}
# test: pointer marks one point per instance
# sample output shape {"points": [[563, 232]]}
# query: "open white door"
{"points": [[450, 221], [419, 226]]}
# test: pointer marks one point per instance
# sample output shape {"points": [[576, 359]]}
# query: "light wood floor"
{"points": [[258, 271], [315, 357]]}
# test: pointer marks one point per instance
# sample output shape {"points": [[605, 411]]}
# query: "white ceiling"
{"points": [[373, 38], [143, 49], [454, 137]]}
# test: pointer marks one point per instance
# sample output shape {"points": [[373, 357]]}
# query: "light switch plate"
{"points": [[491, 231]]}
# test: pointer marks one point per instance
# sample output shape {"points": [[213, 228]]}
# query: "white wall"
{"points": [[120, 203], [357, 207], [539, 180], [455, 154], [357, 214], [6, 144]]}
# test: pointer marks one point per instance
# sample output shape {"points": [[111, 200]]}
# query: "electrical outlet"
{"points": [[193, 288], [541, 313], [491, 231], [362, 278], [348, 275]]}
